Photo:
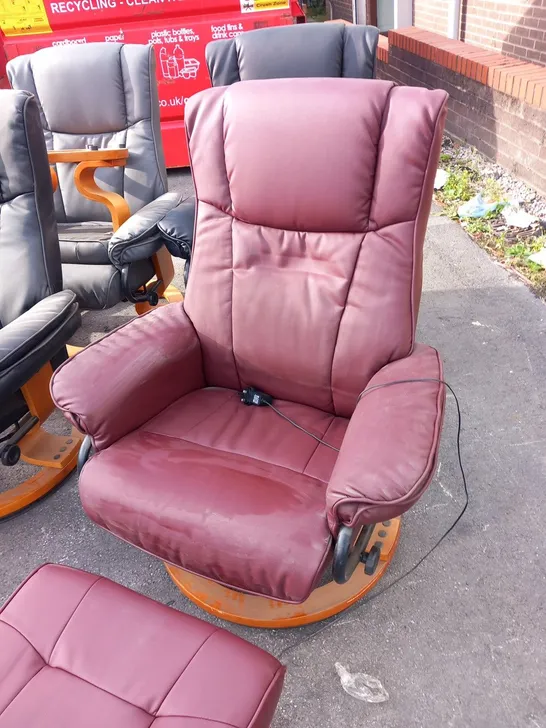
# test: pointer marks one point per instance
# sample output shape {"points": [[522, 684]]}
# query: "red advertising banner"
{"points": [[179, 30]]}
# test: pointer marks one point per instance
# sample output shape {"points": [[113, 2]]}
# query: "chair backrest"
{"points": [[307, 262], [104, 94], [30, 261], [294, 51]]}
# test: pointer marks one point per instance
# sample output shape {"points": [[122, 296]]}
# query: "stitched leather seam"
{"points": [[21, 690], [214, 412], [110, 284], [8, 624], [192, 658], [359, 252], [317, 445], [238, 455], [50, 130], [104, 690], [36, 205], [78, 605], [279, 674]]}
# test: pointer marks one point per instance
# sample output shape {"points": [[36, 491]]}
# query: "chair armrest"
{"points": [[115, 385], [34, 338], [25, 333], [177, 229], [139, 237], [87, 162], [388, 455], [72, 156]]}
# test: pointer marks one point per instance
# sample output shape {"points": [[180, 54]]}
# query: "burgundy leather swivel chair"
{"points": [[312, 299]]}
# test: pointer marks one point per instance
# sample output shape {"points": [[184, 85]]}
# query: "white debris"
{"points": [[539, 257], [361, 686], [516, 216], [440, 179]]}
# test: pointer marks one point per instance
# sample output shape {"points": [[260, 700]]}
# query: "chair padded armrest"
{"points": [[139, 237], [388, 456], [115, 385], [23, 335], [177, 229]]}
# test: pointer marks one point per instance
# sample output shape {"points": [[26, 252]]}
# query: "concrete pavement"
{"points": [[461, 642]]}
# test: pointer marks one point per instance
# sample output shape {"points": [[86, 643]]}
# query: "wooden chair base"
{"points": [[57, 455], [324, 602]]}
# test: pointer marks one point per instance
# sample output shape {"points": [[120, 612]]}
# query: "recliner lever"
{"points": [[347, 555], [148, 295]]}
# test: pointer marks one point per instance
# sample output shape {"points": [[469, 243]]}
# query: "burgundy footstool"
{"points": [[79, 651]]}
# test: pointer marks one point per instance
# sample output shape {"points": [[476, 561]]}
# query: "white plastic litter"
{"points": [[516, 217], [477, 207], [440, 179], [361, 686], [539, 257]]}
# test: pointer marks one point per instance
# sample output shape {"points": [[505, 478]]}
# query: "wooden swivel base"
{"points": [[324, 602], [56, 455]]}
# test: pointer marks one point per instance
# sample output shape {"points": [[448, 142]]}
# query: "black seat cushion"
{"points": [[85, 242], [33, 339]]}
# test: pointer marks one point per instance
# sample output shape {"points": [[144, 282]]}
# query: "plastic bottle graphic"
{"points": [[163, 62], [172, 68], [178, 55]]}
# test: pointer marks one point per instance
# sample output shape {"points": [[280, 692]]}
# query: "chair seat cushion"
{"points": [[79, 651], [227, 491], [85, 242]]}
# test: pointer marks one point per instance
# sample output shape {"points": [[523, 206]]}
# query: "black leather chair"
{"points": [[37, 316], [291, 51], [98, 103], [309, 50]]}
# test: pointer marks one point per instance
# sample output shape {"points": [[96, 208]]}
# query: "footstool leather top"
{"points": [[79, 651]]}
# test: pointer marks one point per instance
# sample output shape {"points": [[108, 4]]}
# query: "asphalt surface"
{"points": [[460, 643]]}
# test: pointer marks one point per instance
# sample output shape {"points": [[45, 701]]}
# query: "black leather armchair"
{"points": [[36, 316], [100, 116], [291, 51]]}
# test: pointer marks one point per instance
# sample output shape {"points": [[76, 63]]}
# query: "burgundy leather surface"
{"points": [[130, 375], [389, 451], [309, 242], [214, 483], [306, 281], [79, 651]]}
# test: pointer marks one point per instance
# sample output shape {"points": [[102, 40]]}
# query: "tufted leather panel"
{"points": [[29, 247], [294, 51], [79, 651], [121, 108], [310, 248]]}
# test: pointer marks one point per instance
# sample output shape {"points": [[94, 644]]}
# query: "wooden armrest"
{"points": [[87, 162], [89, 155]]}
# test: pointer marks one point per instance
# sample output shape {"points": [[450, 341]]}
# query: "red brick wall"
{"points": [[514, 27], [507, 126], [431, 15], [341, 9]]}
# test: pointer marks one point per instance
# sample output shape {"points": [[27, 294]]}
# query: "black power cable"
{"points": [[379, 593]]}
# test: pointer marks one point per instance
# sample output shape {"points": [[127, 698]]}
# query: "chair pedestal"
{"points": [[57, 455], [324, 602]]}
